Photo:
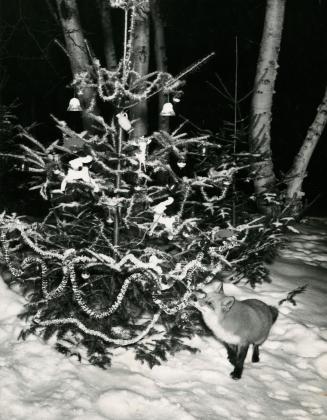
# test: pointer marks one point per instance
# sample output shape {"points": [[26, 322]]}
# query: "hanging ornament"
{"points": [[160, 218], [167, 110], [110, 220], [181, 163], [74, 105], [177, 96], [78, 171], [204, 150], [79, 162], [119, 3], [124, 122], [85, 275], [168, 223], [160, 208], [142, 144]]}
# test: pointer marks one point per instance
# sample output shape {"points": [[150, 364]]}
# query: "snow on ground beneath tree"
{"points": [[290, 382]]}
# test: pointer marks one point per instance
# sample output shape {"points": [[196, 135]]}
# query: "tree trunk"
{"points": [[262, 101], [78, 54], [108, 38], [160, 55], [141, 54], [297, 173]]}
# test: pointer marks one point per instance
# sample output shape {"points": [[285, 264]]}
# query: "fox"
{"points": [[236, 323]]}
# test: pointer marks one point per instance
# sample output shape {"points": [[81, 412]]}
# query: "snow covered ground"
{"points": [[290, 382]]}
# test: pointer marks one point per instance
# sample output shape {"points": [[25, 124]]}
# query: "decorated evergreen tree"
{"points": [[135, 225]]}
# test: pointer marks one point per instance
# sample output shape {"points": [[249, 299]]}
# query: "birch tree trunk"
{"points": [[297, 173], [141, 54], [108, 37], [160, 55], [262, 101], [78, 55]]}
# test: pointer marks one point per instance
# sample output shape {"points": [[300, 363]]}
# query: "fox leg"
{"points": [[255, 354], [231, 352], [240, 357]]}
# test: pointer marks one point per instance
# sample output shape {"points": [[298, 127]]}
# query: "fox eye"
{"points": [[212, 306]]}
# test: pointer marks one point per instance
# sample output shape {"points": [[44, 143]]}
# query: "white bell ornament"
{"points": [[74, 105], [167, 110]]}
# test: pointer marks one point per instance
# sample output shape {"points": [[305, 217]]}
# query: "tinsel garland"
{"points": [[94, 333], [215, 198], [108, 79], [171, 310], [69, 259], [5, 246], [112, 309], [34, 247], [187, 191], [54, 293], [128, 43]]}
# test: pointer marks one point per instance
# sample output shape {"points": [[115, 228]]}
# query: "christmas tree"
{"points": [[135, 224]]}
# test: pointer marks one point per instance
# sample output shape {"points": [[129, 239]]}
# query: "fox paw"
{"points": [[236, 375]]}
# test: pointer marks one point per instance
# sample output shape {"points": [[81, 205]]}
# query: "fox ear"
{"points": [[227, 303], [200, 294], [220, 288]]}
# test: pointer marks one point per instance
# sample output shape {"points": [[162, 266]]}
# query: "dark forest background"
{"points": [[38, 73]]}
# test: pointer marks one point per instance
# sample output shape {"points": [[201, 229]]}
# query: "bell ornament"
{"points": [[167, 110], [74, 105]]}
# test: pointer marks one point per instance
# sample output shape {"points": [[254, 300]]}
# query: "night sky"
{"points": [[39, 74]]}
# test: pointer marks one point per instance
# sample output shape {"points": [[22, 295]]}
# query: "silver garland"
{"points": [[69, 260], [94, 333]]}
